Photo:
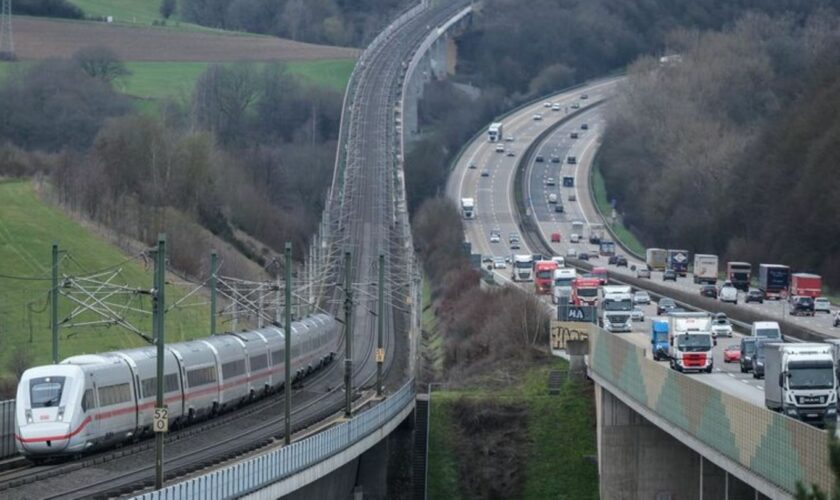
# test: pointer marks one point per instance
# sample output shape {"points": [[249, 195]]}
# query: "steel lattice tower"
{"points": [[7, 41]]}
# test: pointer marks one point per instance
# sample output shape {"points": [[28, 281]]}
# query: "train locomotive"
{"points": [[99, 400]]}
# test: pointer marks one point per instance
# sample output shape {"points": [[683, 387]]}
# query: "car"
{"points": [[514, 245], [472, 166], [709, 291], [500, 148], [572, 197], [537, 117], [612, 260], [513, 237], [499, 263], [573, 135], [758, 357], [574, 238], [747, 349], [754, 295], [555, 237], [583, 256], [575, 105], [637, 314], [821, 304], [487, 259], [584, 126], [510, 138], [495, 237], [837, 320], [555, 107], [558, 208], [665, 305], [555, 159], [728, 293], [539, 159], [620, 261], [546, 104], [485, 173], [584, 96], [571, 160], [669, 275], [571, 252], [641, 297], [732, 354], [552, 198], [510, 152], [802, 306], [721, 327], [643, 272], [550, 181]]}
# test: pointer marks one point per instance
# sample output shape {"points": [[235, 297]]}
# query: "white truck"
{"points": [[705, 268], [523, 267], [563, 278], [617, 308], [800, 381], [656, 259], [495, 132], [690, 341], [468, 208]]}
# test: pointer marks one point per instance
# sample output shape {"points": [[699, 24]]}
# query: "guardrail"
{"points": [[254, 474], [7, 428]]}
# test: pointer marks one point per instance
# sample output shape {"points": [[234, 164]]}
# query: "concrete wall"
{"points": [[637, 460]]}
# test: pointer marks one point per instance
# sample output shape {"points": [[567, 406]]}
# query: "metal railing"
{"points": [[7, 428], [256, 473]]}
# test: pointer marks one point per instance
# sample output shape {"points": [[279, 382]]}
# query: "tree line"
{"points": [[247, 157], [733, 150]]}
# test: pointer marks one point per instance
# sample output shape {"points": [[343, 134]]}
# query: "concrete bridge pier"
{"points": [[638, 460]]}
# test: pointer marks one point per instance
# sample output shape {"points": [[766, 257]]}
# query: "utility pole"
{"points": [[214, 269], [287, 438], [348, 338], [7, 41], [54, 303], [158, 327], [380, 327]]}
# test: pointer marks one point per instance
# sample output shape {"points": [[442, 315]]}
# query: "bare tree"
{"points": [[101, 62]]}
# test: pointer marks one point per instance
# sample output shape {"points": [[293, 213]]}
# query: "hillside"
{"points": [[28, 226]]}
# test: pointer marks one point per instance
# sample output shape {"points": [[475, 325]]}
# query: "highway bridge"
{"points": [[661, 434]]}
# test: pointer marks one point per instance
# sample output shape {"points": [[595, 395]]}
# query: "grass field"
{"points": [[561, 430], [27, 229], [123, 11], [623, 234]]}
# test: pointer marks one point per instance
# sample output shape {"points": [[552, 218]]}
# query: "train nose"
{"points": [[43, 438]]}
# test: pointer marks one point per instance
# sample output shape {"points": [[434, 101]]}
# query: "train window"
{"points": [[201, 376], [259, 362], [277, 357], [87, 400], [45, 392], [233, 368], [170, 381], [114, 394]]}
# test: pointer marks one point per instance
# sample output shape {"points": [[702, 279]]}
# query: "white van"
{"points": [[552, 198], [767, 330], [728, 293]]}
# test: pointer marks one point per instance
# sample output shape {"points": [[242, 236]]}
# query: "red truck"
{"points": [[544, 276], [805, 284], [585, 291]]}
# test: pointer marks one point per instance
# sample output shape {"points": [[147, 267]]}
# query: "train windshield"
{"points": [[45, 392]]}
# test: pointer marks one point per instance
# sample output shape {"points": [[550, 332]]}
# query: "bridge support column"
{"points": [[637, 460]]}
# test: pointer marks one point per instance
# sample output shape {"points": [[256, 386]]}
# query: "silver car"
{"points": [[821, 304], [637, 314], [643, 272], [641, 297]]}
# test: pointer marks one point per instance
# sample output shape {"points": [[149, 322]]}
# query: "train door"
{"points": [[90, 407]]}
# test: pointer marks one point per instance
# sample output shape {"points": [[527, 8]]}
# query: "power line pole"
{"points": [[158, 327], [288, 331], [54, 302], [214, 269], [348, 338], [7, 41], [380, 327]]}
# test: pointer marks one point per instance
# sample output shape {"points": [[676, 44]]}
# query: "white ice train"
{"points": [[98, 400]]}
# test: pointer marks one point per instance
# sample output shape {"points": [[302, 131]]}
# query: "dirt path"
{"points": [[41, 38]]}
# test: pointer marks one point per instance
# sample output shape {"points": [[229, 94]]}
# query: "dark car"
{"points": [[584, 126], [758, 357], [669, 274], [555, 159], [755, 295], [709, 291], [612, 260], [621, 261], [571, 160], [665, 306], [573, 135], [747, 353], [583, 256], [539, 159], [802, 306], [558, 208]]}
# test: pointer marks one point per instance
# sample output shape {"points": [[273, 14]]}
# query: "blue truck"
{"points": [[659, 339], [678, 261]]}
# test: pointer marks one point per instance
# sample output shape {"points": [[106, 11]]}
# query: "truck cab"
{"points": [[801, 382], [585, 291], [563, 278], [617, 307], [523, 267], [690, 342], [544, 276], [468, 208]]}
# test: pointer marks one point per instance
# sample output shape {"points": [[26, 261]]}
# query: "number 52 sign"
{"points": [[161, 420]]}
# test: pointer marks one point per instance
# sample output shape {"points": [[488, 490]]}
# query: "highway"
{"points": [[491, 183]]}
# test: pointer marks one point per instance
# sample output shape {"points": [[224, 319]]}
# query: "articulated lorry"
{"points": [[495, 131], [678, 261], [616, 309], [563, 278], [690, 342], [800, 382], [523, 267], [544, 276], [596, 233], [705, 268], [468, 208], [773, 280], [585, 291], [739, 274], [656, 259], [805, 284]]}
